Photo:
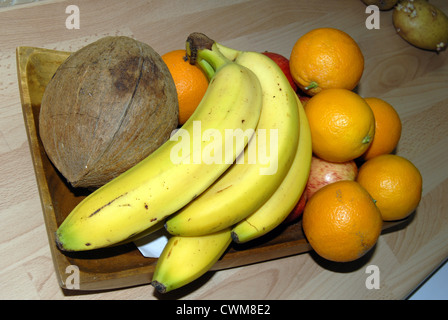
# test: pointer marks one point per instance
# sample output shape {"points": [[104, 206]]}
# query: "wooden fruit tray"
{"points": [[120, 266]]}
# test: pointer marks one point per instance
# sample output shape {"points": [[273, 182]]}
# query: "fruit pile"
{"points": [[355, 181], [232, 171], [250, 156]]}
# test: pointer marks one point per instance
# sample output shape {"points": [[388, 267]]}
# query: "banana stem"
{"points": [[201, 50], [214, 58], [206, 68]]}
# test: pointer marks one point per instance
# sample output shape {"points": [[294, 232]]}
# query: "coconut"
{"points": [[107, 107]]}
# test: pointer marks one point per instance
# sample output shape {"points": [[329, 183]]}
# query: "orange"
{"points": [[342, 124], [387, 128], [341, 221], [191, 83], [394, 182], [326, 58]]}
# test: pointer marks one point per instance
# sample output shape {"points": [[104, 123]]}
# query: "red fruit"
{"points": [[283, 63], [296, 213], [304, 99], [324, 172]]}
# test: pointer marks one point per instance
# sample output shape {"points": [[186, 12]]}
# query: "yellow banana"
{"points": [[155, 227], [185, 259], [282, 202], [174, 174], [267, 158]]}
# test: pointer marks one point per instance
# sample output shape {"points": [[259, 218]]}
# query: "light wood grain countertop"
{"points": [[414, 81]]}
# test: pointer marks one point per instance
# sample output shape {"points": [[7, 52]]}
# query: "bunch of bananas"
{"points": [[205, 205]]}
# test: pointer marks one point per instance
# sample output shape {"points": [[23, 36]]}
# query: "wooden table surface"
{"points": [[414, 81]]}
